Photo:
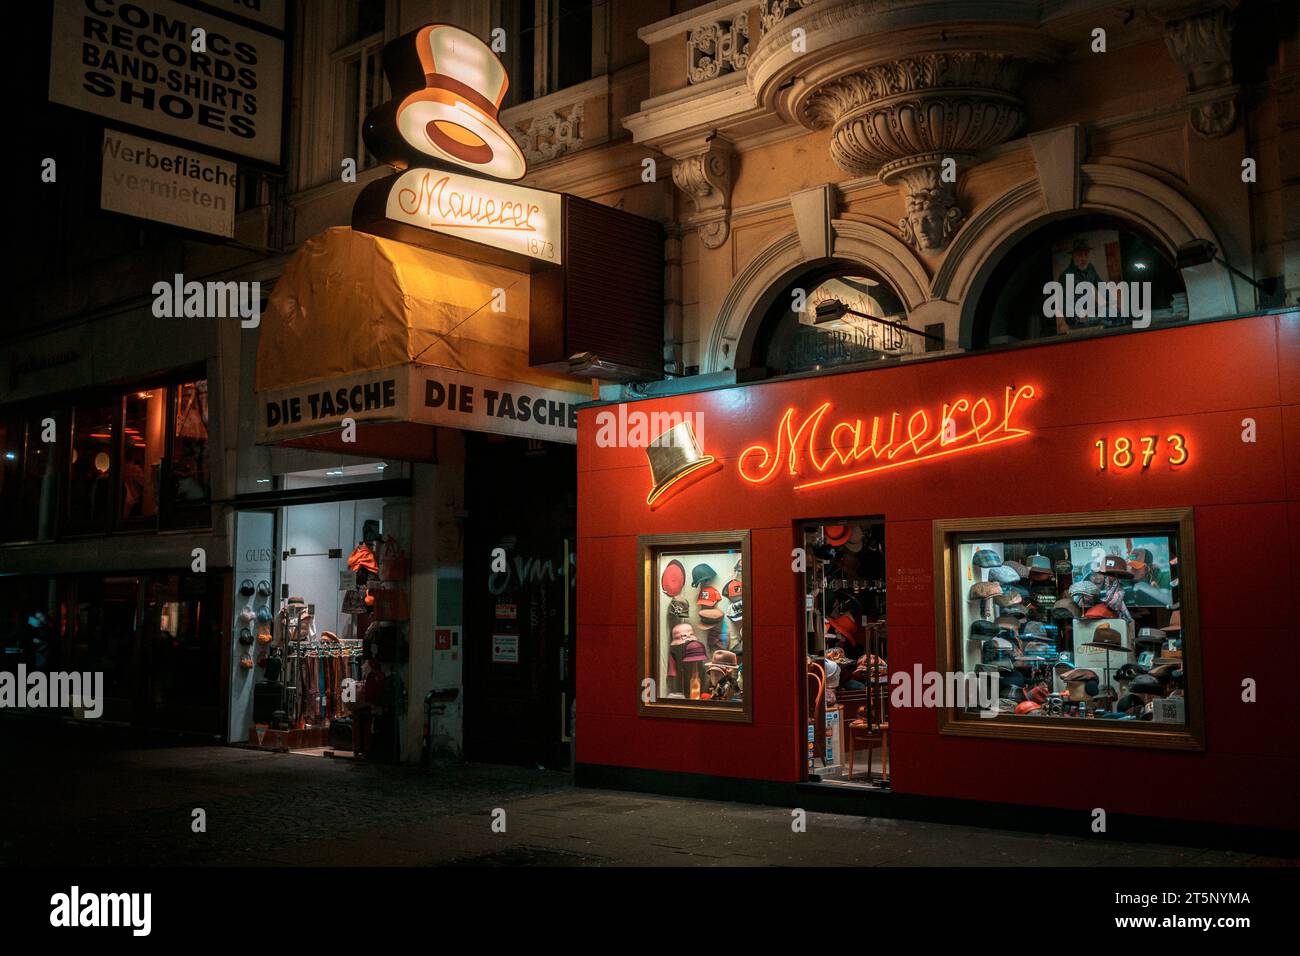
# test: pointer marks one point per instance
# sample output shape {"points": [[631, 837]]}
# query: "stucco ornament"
{"points": [[907, 119]]}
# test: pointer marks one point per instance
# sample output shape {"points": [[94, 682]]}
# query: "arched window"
{"points": [[1082, 273], [794, 337]]}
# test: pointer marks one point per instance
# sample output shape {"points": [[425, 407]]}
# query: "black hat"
{"points": [[1146, 684], [246, 587], [1129, 671], [982, 629], [1129, 702]]}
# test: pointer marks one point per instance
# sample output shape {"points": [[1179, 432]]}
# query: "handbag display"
{"points": [[392, 560], [390, 604]]}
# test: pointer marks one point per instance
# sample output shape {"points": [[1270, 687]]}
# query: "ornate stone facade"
{"points": [[774, 11], [705, 176], [551, 135], [905, 119], [717, 48], [1199, 38]]}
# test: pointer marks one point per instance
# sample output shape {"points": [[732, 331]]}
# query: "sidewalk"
{"points": [[134, 807]]}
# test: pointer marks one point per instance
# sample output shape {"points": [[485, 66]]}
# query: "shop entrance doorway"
{"points": [[519, 590], [846, 698]]}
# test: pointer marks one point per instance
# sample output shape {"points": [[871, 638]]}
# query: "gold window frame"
{"points": [[1190, 736], [703, 542]]}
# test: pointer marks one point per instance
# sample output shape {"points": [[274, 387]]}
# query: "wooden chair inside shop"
{"points": [[816, 682], [866, 722]]}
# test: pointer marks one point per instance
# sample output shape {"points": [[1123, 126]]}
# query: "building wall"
{"points": [[1246, 501]]}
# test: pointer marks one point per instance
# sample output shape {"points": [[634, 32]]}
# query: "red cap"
{"points": [[847, 625], [709, 596]]}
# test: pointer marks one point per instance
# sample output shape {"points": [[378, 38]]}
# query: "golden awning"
{"points": [[374, 329]]}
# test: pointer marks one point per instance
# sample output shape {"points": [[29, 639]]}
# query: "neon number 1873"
{"points": [[1119, 452]]}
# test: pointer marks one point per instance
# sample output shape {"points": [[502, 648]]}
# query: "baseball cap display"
{"points": [[1080, 637], [702, 574]]}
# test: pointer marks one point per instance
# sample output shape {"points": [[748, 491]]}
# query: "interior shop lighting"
{"points": [[828, 310], [1197, 252]]}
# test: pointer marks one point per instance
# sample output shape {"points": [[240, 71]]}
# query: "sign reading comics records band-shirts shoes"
{"points": [[137, 63]]}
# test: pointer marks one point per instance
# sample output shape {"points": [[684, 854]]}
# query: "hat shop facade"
{"points": [[893, 461]]}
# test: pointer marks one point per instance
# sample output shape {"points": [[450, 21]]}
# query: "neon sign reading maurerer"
{"points": [[814, 451]]}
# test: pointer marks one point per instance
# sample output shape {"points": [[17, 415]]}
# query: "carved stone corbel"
{"points": [[705, 175], [1198, 35], [931, 216]]}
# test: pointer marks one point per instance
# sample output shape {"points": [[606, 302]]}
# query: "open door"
{"points": [[846, 673]]}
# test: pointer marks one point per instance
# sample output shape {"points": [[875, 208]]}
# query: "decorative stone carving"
{"points": [[705, 176], [904, 118], [774, 11], [551, 135], [717, 48], [1199, 38], [932, 215]]}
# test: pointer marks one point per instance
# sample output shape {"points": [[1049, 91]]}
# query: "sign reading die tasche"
{"points": [[167, 184], [136, 63]]}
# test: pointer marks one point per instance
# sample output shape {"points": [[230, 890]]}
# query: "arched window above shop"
{"points": [[795, 335], [1078, 274]]}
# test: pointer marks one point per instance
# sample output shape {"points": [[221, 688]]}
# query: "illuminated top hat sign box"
{"points": [[454, 194]]}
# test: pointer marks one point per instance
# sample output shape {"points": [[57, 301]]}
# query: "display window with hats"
{"points": [[691, 612], [1101, 610]]}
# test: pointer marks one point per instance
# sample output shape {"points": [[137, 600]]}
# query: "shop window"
{"points": [[28, 479], [143, 439], [693, 622], [1081, 274], [826, 318], [1085, 625], [189, 479], [89, 505], [132, 461]]}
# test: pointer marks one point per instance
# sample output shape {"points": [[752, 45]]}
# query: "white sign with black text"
{"points": [[420, 393], [478, 403], [171, 69], [167, 184]]}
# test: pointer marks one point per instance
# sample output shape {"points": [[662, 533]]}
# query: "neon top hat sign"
{"points": [[448, 87]]}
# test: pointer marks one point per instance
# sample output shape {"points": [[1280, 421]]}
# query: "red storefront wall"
{"points": [[1200, 381]]}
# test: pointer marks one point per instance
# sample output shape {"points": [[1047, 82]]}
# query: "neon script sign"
{"points": [[502, 215], [815, 451]]}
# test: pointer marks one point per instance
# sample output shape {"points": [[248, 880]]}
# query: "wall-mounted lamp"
{"points": [[1197, 252], [828, 310]]}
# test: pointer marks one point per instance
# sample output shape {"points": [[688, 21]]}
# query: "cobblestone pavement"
{"points": [[76, 805]]}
